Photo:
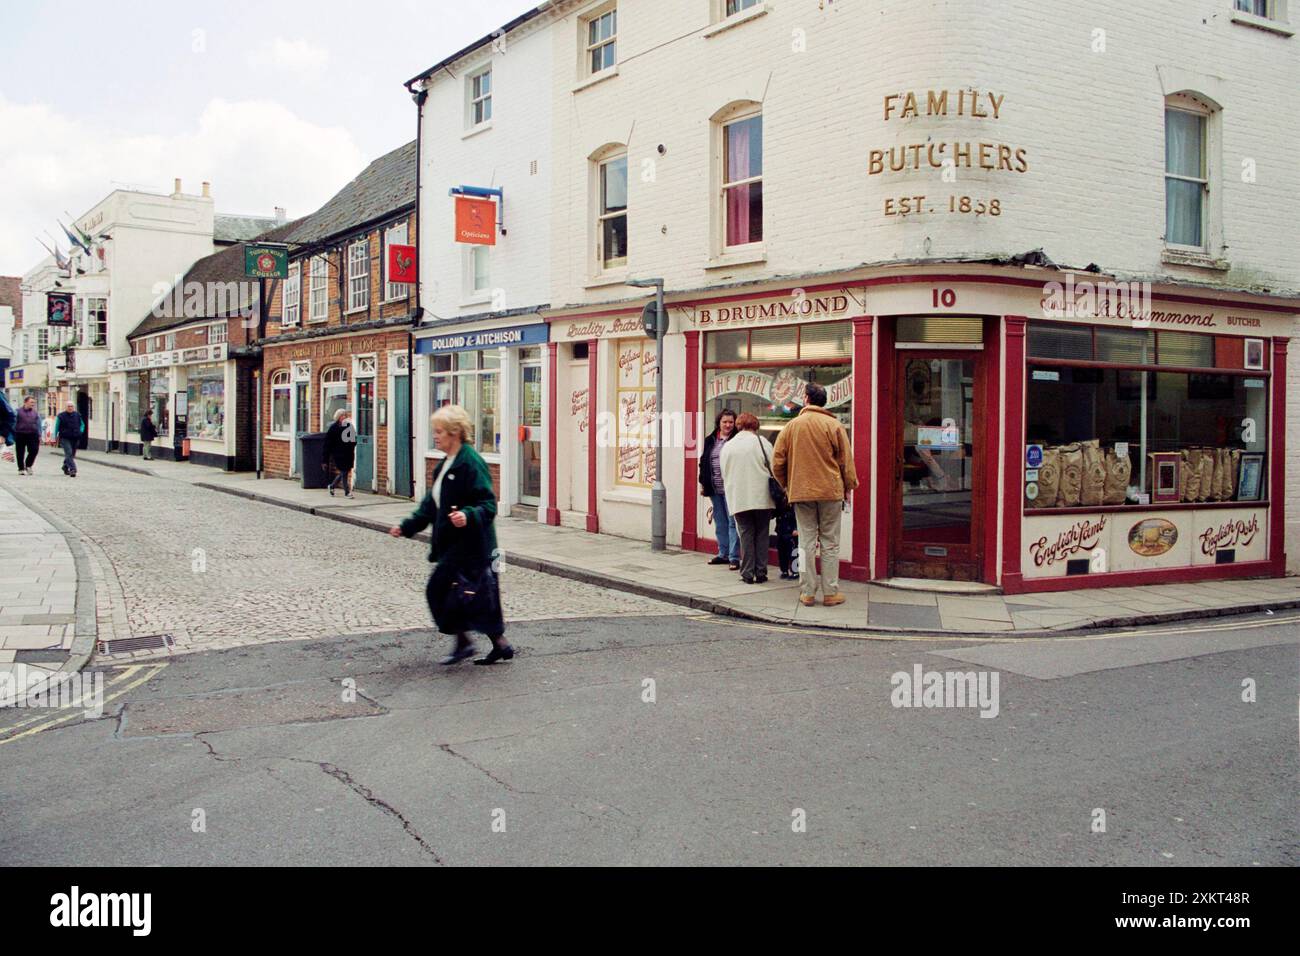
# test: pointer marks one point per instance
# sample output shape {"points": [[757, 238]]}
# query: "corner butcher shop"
{"points": [[1024, 428]]}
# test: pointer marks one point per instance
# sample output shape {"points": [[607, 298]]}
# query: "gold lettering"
{"points": [[909, 106], [936, 105]]}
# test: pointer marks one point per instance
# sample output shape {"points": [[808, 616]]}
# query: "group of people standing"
{"points": [[22, 428], [746, 478]]}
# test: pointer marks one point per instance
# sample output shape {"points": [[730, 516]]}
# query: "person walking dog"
{"points": [[68, 429], [711, 487], [463, 592], [746, 476], [148, 432], [813, 461], [27, 435], [341, 451]]}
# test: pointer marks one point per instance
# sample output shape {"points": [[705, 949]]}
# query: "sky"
{"points": [[277, 103]]}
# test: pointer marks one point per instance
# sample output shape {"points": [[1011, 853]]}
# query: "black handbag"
{"points": [[779, 498]]}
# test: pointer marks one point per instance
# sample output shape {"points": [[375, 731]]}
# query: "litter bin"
{"points": [[311, 454]]}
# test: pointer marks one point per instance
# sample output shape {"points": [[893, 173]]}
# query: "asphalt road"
{"points": [[255, 755]]}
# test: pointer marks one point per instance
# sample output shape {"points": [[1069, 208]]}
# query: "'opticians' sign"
{"points": [[483, 339]]}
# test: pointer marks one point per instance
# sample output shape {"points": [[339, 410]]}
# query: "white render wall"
{"points": [[500, 157], [1091, 125]]}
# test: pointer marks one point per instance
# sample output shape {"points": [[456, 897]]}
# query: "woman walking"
{"points": [[746, 473], [711, 487], [341, 451], [27, 435], [463, 592]]}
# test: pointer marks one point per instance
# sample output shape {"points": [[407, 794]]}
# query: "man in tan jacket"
{"points": [[814, 464]]}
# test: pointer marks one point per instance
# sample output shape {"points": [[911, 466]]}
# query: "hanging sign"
{"points": [[476, 221], [401, 263], [266, 261], [58, 308]]}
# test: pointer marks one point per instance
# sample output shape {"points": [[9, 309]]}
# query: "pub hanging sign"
{"points": [[58, 309], [267, 260]]}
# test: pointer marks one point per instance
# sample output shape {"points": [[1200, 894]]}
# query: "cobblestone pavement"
{"points": [[216, 571]]}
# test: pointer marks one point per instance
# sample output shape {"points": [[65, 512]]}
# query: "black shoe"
{"points": [[718, 560], [748, 579], [761, 579], [331, 492], [734, 566], [464, 648], [499, 652]]}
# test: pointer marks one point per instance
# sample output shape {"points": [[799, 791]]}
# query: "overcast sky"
{"points": [[275, 103]]}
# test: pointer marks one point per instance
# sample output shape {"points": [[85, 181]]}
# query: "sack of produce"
{"points": [[1070, 493], [1049, 479], [1207, 474], [1094, 473], [1192, 471], [1234, 473], [1119, 468]]}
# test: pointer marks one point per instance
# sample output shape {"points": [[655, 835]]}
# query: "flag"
{"points": [[73, 239]]}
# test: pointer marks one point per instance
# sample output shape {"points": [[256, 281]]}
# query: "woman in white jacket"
{"points": [[746, 467]]}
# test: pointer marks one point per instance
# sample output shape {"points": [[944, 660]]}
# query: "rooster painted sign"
{"points": [[401, 263]]}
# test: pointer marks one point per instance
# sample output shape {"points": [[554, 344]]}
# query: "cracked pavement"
{"points": [[556, 758]]}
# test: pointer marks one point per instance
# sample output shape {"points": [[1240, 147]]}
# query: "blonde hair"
{"points": [[339, 413], [453, 418]]}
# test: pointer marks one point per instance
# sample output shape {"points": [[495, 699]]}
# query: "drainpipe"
{"points": [[418, 312]]}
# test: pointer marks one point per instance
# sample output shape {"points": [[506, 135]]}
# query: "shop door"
{"points": [[530, 433], [301, 423], [365, 406], [84, 406], [936, 470], [400, 435]]}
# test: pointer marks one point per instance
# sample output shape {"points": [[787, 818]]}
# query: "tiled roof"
{"points": [[224, 266], [240, 228], [385, 186]]}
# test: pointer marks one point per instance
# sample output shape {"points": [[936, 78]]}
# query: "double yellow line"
{"points": [[122, 682]]}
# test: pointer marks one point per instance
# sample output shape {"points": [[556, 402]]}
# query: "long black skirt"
{"points": [[450, 616]]}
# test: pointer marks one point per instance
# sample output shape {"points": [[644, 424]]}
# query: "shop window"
{"points": [[333, 394], [742, 181], [635, 376], [206, 396], [281, 403], [738, 377], [1121, 422], [471, 380], [134, 383]]}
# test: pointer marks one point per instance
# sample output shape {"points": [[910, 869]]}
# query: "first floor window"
{"points": [[480, 98], [471, 380], [217, 333], [94, 321], [1258, 7], [319, 289], [636, 410], [1186, 178], [206, 398], [602, 41], [291, 308], [358, 275], [42, 343], [281, 403], [613, 213], [742, 181], [735, 6], [1152, 416], [333, 394], [479, 268]]}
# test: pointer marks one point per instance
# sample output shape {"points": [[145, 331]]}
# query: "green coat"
{"points": [[467, 487]]}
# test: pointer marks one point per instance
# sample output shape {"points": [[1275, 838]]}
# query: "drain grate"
{"points": [[146, 642]]}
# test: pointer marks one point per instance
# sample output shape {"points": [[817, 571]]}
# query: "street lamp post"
{"points": [[658, 493]]}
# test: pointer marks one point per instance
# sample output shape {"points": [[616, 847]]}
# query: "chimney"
{"points": [[177, 190], [207, 190], [281, 215]]}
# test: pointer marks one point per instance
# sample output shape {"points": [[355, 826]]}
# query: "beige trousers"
{"points": [[819, 523]]}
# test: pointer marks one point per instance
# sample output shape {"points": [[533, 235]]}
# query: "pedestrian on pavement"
{"points": [[746, 474], [463, 592], [68, 429], [341, 451], [148, 432], [813, 461], [7, 420], [711, 487], [27, 435]]}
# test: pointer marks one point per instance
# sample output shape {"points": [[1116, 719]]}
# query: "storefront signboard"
{"points": [[511, 337], [204, 353], [583, 328], [785, 387], [797, 305]]}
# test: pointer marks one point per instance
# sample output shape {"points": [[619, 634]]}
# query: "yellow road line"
{"points": [[155, 669], [114, 680]]}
